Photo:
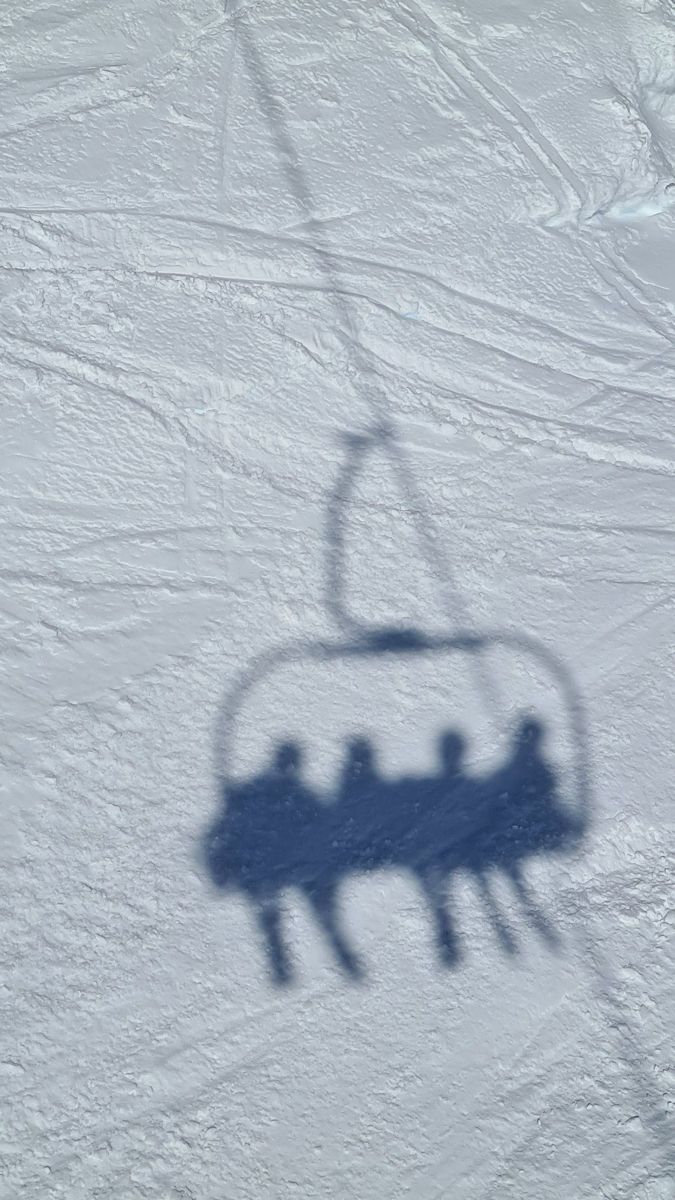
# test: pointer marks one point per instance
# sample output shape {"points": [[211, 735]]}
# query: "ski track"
{"points": [[500, 106], [276, 241], [149, 76], [190, 372]]}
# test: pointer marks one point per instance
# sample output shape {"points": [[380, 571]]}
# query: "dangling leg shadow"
{"points": [[536, 917], [499, 924], [269, 915], [432, 880], [322, 895]]}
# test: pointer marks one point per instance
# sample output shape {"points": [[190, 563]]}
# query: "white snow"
{"points": [[321, 320]]}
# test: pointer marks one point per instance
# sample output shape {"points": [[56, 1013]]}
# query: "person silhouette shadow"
{"points": [[358, 811], [275, 835], [526, 819], [379, 824], [433, 807]]}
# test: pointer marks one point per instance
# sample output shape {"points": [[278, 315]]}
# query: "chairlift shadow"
{"points": [[502, 824], [275, 833]]}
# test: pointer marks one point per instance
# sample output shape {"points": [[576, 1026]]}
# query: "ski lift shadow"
{"points": [[275, 834]]}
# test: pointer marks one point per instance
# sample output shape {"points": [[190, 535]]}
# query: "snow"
{"points": [[337, 360]]}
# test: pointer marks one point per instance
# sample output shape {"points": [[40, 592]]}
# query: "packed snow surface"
{"points": [[337, 600]]}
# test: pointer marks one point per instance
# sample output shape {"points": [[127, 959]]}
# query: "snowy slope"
{"points": [[322, 320]]}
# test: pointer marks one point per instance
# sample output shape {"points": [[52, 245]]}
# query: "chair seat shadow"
{"points": [[274, 833]]}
